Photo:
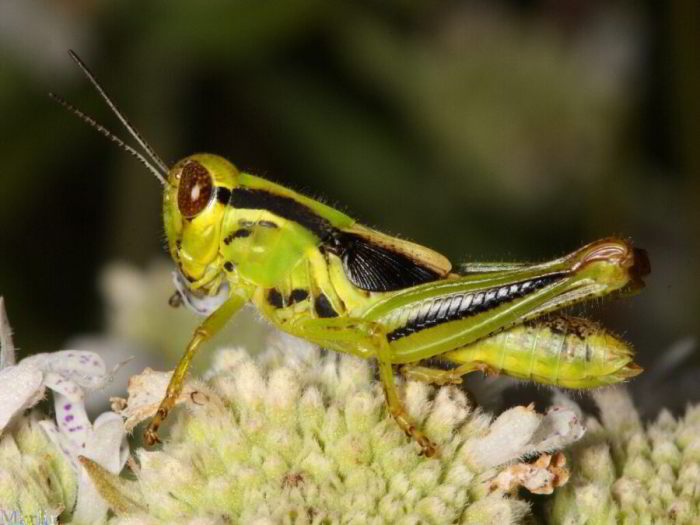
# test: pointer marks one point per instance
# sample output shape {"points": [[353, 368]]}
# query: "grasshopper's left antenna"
{"points": [[111, 136], [160, 170]]}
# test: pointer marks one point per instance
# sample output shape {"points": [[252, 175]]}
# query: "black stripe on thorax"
{"points": [[460, 306], [285, 207], [223, 195]]}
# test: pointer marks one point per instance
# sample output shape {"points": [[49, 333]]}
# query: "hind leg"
{"points": [[370, 340]]}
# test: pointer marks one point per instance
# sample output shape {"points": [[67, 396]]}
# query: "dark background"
{"points": [[486, 130]]}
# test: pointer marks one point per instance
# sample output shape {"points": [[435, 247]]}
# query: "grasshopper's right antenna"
{"points": [[160, 170]]}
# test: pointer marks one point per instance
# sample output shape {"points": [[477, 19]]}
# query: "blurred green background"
{"points": [[510, 130]]}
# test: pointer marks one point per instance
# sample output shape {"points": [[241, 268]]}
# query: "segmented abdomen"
{"points": [[566, 351]]}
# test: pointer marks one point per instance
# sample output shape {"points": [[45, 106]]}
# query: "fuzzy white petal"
{"points": [[49, 427], [72, 420], [63, 386], [107, 442], [85, 369], [21, 388], [106, 445]]}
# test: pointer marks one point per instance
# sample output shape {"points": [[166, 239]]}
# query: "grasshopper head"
{"points": [[194, 205], [194, 200]]}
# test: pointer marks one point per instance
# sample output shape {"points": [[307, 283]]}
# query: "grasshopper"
{"points": [[316, 273]]}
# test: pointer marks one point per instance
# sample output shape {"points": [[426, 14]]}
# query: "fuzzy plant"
{"points": [[40, 475], [282, 432], [293, 435], [299, 436], [626, 473]]}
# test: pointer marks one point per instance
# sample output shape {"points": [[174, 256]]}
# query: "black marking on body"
{"points": [[298, 295], [223, 195], [367, 265], [285, 207], [238, 234], [241, 233], [460, 306], [228, 266], [439, 363], [274, 298], [323, 307], [268, 224], [377, 268]]}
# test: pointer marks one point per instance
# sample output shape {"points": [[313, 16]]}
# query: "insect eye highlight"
{"points": [[195, 190]]}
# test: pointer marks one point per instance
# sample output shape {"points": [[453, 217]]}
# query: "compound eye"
{"points": [[195, 190]]}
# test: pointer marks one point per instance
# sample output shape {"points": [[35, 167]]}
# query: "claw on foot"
{"points": [[429, 449], [150, 436]]}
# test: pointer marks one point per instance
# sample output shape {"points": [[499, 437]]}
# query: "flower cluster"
{"points": [[36, 478], [298, 436], [39, 468], [626, 473]]}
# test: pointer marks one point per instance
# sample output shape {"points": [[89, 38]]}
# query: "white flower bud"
{"points": [[655, 477], [297, 437]]}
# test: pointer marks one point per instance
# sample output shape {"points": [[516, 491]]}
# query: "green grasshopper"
{"points": [[316, 273]]}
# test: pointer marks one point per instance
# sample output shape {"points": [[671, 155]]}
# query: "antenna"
{"points": [[160, 170], [111, 136], [151, 152]]}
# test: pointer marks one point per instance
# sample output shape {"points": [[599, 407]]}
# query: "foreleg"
{"points": [[205, 331]]}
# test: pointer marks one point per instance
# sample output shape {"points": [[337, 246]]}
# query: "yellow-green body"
{"points": [[314, 272], [265, 257]]}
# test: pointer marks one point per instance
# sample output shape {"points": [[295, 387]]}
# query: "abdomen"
{"points": [[560, 350]]}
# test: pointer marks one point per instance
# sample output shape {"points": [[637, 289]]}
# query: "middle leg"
{"points": [[436, 376]]}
